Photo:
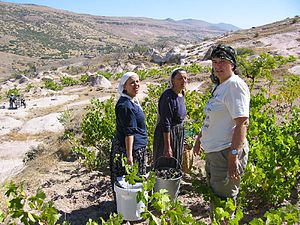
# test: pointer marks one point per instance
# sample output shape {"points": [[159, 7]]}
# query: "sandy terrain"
{"points": [[24, 123], [11, 156], [8, 123]]}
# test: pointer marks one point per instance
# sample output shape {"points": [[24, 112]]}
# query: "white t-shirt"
{"points": [[230, 100]]}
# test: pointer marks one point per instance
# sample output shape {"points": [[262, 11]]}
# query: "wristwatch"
{"points": [[234, 152]]}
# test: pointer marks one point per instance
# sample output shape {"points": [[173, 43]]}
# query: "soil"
{"points": [[80, 195]]}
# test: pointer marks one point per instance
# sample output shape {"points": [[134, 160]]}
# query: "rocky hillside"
{"points": [[278, 38], [32, 35], [39, 31], [38, 38]]}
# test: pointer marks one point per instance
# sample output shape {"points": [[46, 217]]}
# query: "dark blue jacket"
{"points": [[130, 121]]}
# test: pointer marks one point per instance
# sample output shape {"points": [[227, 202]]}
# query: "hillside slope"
{"points": [[45, 32]]}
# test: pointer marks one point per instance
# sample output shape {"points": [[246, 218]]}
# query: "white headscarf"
{"points": [[122, 82], [170, 80]]}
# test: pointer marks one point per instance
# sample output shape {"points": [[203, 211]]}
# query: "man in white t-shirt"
{"points": [[223, 135]]}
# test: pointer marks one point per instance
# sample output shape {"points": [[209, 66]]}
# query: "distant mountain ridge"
{"points": [[44, 32], [218, 26]]}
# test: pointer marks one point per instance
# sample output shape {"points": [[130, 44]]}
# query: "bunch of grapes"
{"points": [[168, 173]]}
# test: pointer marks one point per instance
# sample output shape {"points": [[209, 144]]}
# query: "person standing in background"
{"points": [[169, 130]]}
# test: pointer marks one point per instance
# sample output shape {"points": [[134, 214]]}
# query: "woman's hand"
{"points": [[197, 146], [168, 152], [130, 160]]}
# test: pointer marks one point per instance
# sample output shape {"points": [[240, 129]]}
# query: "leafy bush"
{"points": [[14, 91], [114, 219], [285, 215], [294, 20], [196, 69], [68, 81], [29, 87], [66, 119], [160, 208], [107, 75], [30, 210], [88, 157], [245, 51], [84, 78], [289, 90], [261, 67], [98, 124], [98, 129], [274, 162], [33, 210], [52, 85]]}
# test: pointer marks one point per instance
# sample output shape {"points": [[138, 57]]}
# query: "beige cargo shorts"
{"points": [[216, 172]]}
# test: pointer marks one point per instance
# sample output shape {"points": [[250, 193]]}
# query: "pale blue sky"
{"points": [[241, 13]]}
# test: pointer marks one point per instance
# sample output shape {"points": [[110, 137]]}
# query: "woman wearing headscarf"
{"points": [[131, 135], [169, 130], [223, 134]]}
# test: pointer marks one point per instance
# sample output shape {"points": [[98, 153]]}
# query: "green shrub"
{"points": [[29, 87], [98, 129], [30, 210], [245, 51], [52, 85], [68, 81], [14, 91], [84, 78]]}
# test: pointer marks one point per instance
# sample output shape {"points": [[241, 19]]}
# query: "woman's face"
{"points": [[132, 86], [180, 80], [222, 68]]}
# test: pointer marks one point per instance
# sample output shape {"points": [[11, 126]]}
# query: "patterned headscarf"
{"points": [[224, 52]]}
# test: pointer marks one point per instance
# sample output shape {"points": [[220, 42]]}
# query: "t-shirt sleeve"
{"points": [[166, 113], [128, 120], [238, 100]]}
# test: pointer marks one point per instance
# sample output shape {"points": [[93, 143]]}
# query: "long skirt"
{"points": [[177, 143], [117, 153]]}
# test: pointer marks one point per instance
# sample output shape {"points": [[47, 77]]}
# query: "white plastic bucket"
{"points": [[126, 203]]}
